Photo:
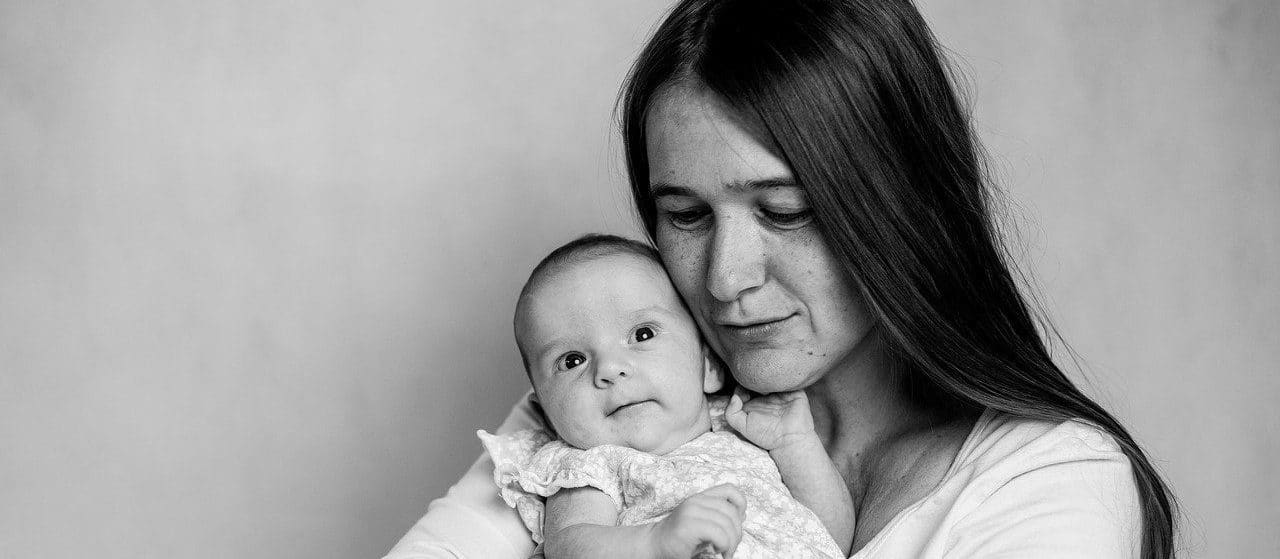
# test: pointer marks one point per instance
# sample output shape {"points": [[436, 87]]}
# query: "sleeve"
{"points": [[1082, 508], [471, 520], [531, 466]]}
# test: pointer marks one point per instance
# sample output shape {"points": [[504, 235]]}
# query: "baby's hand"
{"points": [[711, 517], [771, 421]]}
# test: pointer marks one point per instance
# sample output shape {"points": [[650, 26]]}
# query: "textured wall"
{"points": [[257, 259], [1141, 141]]}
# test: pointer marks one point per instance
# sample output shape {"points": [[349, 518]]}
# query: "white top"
{"points": [[531, 465], [1017, 488]]}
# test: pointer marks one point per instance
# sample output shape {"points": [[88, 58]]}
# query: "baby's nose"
{"points": [[610, 374]]}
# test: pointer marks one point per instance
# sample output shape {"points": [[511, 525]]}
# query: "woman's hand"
{"points": [[771, 421], [711, 517]]}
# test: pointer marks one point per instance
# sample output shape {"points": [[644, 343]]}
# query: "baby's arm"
{"points": [[583, 523], [781, 424]]}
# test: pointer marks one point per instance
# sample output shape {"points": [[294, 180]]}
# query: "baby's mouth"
{"points": [[625, 407]]}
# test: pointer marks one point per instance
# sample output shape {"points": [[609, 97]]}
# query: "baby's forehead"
{"points": [[604, 269], [615, 282]]}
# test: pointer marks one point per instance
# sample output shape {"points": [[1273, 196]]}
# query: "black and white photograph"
{"points": [[639, 279]]}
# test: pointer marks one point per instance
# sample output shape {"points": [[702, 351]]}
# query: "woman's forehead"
{"points": [[691, 107], [696, 141]]}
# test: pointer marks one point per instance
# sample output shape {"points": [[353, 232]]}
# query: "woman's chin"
{"points": [[766, 376], [766, 370]]}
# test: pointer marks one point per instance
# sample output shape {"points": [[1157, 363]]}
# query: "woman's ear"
{"points": [[712, 371]]}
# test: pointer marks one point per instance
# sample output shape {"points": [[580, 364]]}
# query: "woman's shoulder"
{"points": [[1039, 486], [1022, 487], [1001, 441], [1035, 459]]}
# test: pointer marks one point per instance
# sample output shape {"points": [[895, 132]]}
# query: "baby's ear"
{"points": [[712, 371]]}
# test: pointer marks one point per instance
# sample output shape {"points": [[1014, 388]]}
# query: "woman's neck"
{"points": [[862, 407]]}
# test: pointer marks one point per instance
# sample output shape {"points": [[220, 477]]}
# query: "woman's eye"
{"points": [[570, 361], [787, 218], [686, 219], [643, 333]]}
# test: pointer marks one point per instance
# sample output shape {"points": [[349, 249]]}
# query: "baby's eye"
{"points": [[570, 361], [643, 333]]}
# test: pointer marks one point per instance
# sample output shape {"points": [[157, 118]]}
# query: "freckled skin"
{"points": [[738, 265]]}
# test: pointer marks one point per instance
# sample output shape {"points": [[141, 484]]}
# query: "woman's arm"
{"points": [[582, 523], [471, 520]]}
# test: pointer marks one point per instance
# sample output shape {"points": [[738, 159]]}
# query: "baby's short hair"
{"points": [[581, 249]]}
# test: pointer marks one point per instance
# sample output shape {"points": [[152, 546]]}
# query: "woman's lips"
{"points": [[756, 332]]}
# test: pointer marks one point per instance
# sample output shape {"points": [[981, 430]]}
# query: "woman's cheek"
{"points": [[682, 257], [677, 247]]}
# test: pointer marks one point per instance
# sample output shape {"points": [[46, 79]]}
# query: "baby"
{"points": [[642, 462]]}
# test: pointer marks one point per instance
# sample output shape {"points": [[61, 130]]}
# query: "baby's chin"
{"points": [[664, 445], [644, 438]]}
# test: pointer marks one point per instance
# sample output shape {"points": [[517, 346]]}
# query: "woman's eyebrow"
{"points": [[660, 189]]}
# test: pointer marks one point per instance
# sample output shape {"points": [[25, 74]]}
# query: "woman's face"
{"points": [[740, 242]]}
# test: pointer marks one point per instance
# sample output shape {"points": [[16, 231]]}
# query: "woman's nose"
{"points": [[736, 262]]}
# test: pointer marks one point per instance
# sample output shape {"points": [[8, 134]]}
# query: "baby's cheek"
{"points": [[573, 424], [584, 436]]}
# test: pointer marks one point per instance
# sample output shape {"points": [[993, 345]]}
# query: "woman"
{"points": [[814, 188]]}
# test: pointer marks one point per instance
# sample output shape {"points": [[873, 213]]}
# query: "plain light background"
{"points": [[258, 258]]}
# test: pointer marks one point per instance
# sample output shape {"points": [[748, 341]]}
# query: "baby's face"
{"points": [[614, 356]]}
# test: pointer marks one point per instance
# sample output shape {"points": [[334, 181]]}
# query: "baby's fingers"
{"points": [[727, 514], [715, 524], [723, 505], [733, 413], [730, 493]]}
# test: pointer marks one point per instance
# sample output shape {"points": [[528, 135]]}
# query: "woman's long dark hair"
{"points": [[855, 97]]}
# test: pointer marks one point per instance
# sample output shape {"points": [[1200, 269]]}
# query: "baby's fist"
{"points": [[771, 421], [712, 517]]}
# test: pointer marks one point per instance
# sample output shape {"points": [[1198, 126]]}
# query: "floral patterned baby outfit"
{"points": [[531, 465]]}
